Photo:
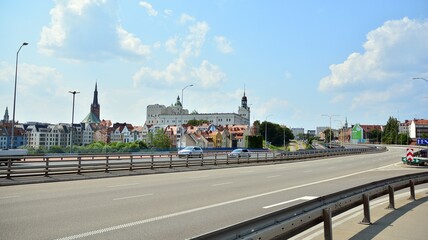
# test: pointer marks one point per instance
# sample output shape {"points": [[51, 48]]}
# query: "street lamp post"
{"points": [[12, 141], [421, 78], [72, 120], [266, 141], [181, 111], [330, 116]]}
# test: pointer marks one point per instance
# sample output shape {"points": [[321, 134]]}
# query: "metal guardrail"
{"points": [[78, 164], [291, 221]]}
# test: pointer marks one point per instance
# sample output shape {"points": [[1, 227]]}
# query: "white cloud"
{"points": [[195, 39], [223, 45], [185, 18], [149, 8], [393, 51], [171, 45], [129, 42], [208, 74], [88, 30], [178, 70], [167, 12]]}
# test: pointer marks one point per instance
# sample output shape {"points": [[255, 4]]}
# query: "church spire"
{"points": [[95, 107], [244, 101], [6, 116]]}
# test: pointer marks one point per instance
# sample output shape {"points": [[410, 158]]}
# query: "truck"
{"points": [[12, 154]]}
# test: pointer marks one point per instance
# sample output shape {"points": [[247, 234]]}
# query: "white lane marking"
{"points": [[123, 185], [306, 198], [273, 176], [308, 171], [7, 197], [221, 184], [131, 224], [136, 196]]}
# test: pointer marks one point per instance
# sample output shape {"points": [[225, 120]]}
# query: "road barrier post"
{"points": [[9, 166], [170, 161], [131, 163], [187, 160], [79, 165], [107, 158], [366, 204], [153, 161], [215, 159], [46, 166], [391, 197], [328, 228], [412, 190]]}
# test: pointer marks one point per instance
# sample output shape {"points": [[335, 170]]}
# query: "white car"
{"points": [[191, 151], [240, 153]]}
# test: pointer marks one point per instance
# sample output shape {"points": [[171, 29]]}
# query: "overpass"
{"points": [[181, 205]]}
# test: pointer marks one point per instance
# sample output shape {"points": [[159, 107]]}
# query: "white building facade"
{"points": [[176, 115]]}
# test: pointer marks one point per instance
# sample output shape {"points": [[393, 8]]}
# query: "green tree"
{"points": [[403, 139], [390, 132], [374, 136], [328, 134], [195, 122], [56, 149], [161, 140], [276, 134]]}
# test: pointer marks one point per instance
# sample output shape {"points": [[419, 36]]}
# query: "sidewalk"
{"points": [[408, 221]]}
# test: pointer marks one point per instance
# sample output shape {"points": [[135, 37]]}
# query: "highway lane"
{"points": [[179, 205]]}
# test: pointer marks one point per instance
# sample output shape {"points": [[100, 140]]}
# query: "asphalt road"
{"points": [[183, 204]]}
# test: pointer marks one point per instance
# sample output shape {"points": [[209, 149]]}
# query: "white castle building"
{"points": [[176, 115]]}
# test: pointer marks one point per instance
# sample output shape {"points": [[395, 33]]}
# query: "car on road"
{"points": [[240, 153], [191, 151]]}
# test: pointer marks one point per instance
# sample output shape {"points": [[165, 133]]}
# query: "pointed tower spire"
{"points": [[6, 116], [95, 107], [244, 100]]}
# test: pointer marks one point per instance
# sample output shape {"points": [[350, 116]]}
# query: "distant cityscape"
{"points": [[220, 130]]}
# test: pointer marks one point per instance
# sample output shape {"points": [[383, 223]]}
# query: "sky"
{"points": [[300, 63]]}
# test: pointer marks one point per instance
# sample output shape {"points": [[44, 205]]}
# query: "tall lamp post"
{"points": [[72, 120], [330, 116], [421, 78], [266, 141], [12, 140], [181, 111]]}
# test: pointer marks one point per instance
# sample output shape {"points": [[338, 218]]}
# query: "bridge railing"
{"points": [[79, 164], [291, 221]]}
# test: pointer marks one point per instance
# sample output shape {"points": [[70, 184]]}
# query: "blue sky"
{"points": [[296, 60]]}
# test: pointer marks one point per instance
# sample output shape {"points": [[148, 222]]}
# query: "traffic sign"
{"points": [[409, 154], [422, 141]]}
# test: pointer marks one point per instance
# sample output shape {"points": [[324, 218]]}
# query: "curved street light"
{"points": [[331, 131], [421, 78], [12, 141], [266, 141], [72, 120], [181, 111]]}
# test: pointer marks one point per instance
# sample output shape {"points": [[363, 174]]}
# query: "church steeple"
{"points": [[95, 107], [6, 116], [244, 101]]}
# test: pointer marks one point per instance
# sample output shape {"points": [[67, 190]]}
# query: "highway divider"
{"points": [[79, 164]]}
